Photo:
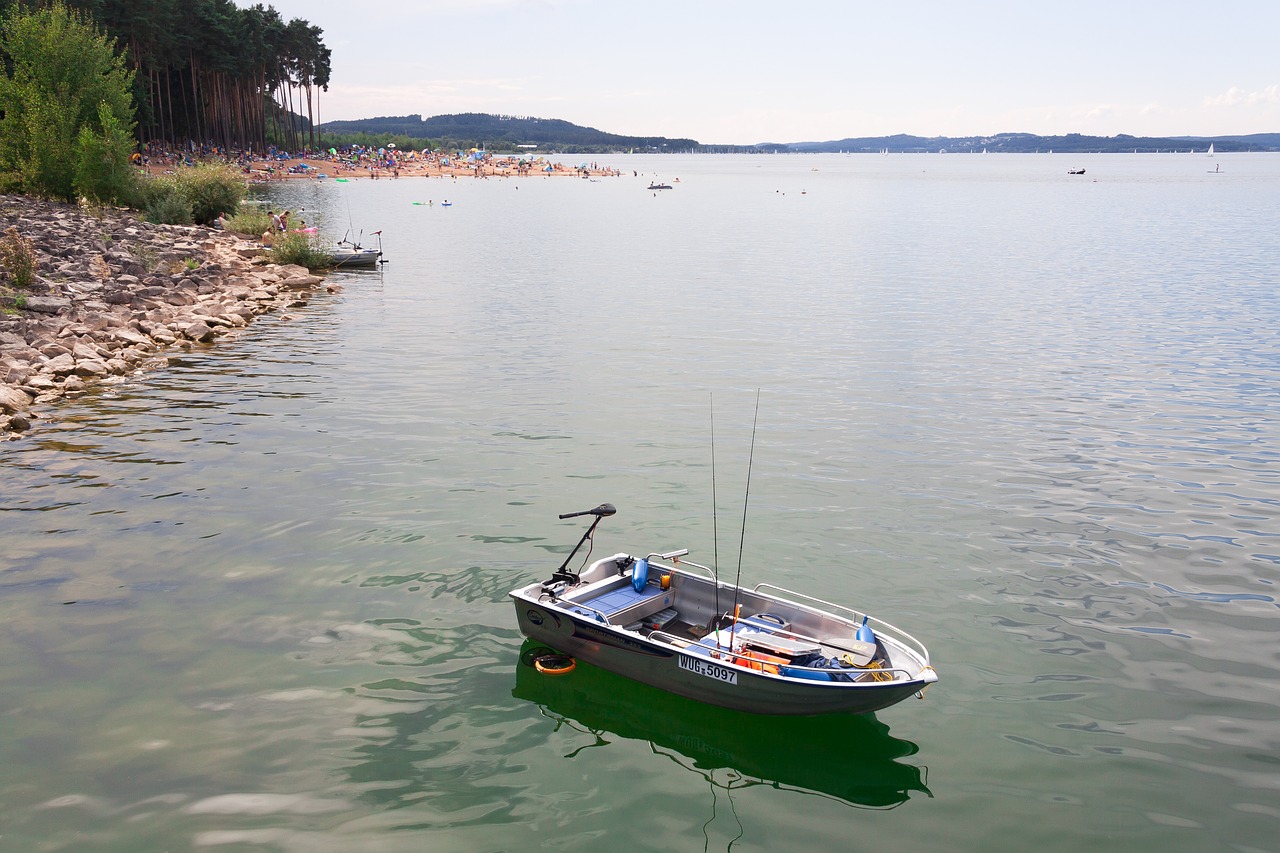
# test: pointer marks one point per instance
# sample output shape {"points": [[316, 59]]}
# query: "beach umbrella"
{"points": [[391, 145], [333, 150]]}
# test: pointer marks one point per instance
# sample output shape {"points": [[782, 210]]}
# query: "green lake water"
{"points": [[258, 600]]}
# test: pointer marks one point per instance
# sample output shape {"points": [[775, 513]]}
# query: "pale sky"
{"points": [[741, 71]]}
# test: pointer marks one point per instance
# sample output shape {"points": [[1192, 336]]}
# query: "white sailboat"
{"points": [[1210, 151]]}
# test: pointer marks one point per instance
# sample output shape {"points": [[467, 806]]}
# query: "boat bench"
{"points": [[623, 605]]}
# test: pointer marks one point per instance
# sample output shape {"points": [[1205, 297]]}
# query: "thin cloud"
{"points": [[1237, 97]]}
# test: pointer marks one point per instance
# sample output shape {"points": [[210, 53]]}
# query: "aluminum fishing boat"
{"points": [[348, 254], [671, 623], [354, 257]]}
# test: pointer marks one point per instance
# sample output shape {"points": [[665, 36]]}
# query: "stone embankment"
{"points": [[112, 294]]}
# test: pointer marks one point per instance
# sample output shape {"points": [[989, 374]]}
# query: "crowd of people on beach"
{"points": [[359, 161]]}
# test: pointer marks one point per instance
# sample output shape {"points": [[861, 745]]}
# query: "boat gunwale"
{"points": [[909, 642], [598, 620]]}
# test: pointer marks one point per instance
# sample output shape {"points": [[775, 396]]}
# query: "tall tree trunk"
{"points": [[195, 97], [168, 91]]}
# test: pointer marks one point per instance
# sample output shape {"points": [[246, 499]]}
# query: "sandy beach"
{"points": [[411, 165]]}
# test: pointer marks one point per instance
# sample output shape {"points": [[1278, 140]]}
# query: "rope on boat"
{"points": [[530, 655], [874, 666], [920, 695]]}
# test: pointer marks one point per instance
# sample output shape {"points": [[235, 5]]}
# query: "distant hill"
{"points": [[495, 131], [1029, 143], [1267, 141], [506, 133]]}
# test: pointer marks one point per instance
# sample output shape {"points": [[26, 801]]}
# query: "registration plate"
{"points": [[702, 666]]}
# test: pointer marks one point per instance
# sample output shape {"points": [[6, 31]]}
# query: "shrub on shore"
{"points": [[198, 194], [294, 248], [249, 221], [166, 205], [17, 258]]}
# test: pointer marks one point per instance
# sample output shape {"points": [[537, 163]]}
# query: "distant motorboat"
{"points": [[653, 186], [1075, 171]]}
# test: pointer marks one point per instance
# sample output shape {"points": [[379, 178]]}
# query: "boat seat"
{"points": [[625, 604]]}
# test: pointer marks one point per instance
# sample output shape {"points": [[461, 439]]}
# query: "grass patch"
{"points": [[292, 248], [250, 221]]}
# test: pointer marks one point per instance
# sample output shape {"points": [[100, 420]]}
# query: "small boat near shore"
{"points": [[354, 257], [1075, 171], [673, 624], [657, 186], [348, 255]]}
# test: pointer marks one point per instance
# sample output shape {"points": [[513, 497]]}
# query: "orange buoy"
{"points": [[555, 664]]}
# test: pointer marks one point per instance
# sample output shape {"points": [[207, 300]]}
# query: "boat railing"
{"points": [[755, 664], [857, 616], [580, 606], [672, 558]]}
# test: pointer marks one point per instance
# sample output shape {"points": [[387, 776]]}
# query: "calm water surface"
{"points": [[257, 601]]}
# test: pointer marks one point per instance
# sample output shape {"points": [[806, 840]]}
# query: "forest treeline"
{"points": [[209, 71], [500, 133]]}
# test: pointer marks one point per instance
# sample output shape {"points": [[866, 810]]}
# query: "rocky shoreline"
{"points": [[113, 294]]}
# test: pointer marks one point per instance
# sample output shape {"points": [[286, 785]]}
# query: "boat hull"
{"points": [[358, 259], [696, 675]]}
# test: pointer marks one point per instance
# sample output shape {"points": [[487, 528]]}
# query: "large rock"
{"points": [[47, 304], [301, 282], [60, 365], [92, 367], [135, 338], [199, 332], [13, 400]]}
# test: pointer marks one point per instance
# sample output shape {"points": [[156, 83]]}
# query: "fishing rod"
{"points": [[346, 198], [602, 511], [715, 534], [737, 582]]}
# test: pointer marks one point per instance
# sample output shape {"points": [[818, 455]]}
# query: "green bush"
{"points": [[166, 205], [103, 172], [58, 75], [248, 220], [211, 189], [204, 192], [293, 248]]}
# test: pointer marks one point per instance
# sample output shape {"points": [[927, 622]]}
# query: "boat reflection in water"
{"points": [[850, 757]]}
